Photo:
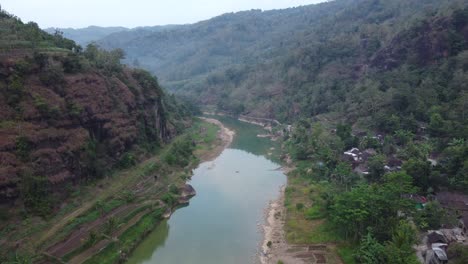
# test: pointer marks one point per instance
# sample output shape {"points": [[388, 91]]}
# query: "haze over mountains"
{"points": [[84, 36]]}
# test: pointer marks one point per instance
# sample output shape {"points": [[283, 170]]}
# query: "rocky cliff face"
{"points": [[59, 127]]}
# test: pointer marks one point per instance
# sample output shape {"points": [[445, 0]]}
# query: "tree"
{"points": [[370, 251], [344, 132], [376, 168], [376, 206], [403, 137], [399, 250], [35, 193], [420, 171], [437, 124], [431, 216], [344, 175]]}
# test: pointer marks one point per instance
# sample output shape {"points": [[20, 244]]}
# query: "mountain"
{"points": [[70, 116], [287, 63], [84, 36]]}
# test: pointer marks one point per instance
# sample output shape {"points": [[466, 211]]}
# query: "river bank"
{"points": [[223, 220], [117, 211], [225, 135]]}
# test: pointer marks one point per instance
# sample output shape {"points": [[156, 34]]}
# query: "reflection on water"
{"points": [[153, 241], [246, 138], [221, 223]]}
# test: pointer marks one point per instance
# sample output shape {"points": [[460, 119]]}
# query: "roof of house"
{"points": [[416, 198], [440, 253], [452, 200], [436, 237]]}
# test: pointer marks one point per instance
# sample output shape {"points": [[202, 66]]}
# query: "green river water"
{"points": [[222, 223]]}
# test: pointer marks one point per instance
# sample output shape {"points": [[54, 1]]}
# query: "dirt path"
{"points": [[225, 135]]}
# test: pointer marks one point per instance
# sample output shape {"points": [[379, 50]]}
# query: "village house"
{"points": [[456, 204]]}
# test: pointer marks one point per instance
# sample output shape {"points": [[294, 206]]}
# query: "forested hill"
{"points": [[300, 61]]}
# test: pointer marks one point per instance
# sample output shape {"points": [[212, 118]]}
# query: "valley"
{"points": [[326, 133]]}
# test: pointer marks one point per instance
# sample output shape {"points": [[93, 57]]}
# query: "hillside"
{"points": [[257, 62], [70, 116]]}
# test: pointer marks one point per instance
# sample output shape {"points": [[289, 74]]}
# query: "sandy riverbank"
{"points": [[275, 247], [226, 136], [279, 249]]}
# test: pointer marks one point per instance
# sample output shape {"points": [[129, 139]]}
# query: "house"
{"points": [[419, 200], [436, 237], [440, 252], [366, 154], [456, 204], [393, 164], [353, 154]]}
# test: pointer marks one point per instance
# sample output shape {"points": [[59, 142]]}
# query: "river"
{"points": [[222, 222]]}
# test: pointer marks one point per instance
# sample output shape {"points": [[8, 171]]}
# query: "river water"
{"points": [[222, 223]]}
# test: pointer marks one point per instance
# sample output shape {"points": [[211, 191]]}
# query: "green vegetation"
{"points": [[128, 240], [34, 193], [117, 193], [180, 153], [23, 147], [387, 77], [328, 202], [459, 254]]}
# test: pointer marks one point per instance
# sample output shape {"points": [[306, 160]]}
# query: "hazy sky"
{"points": [[133, 13]]}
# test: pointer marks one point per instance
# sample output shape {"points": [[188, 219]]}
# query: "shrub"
{"points": [[34, 192], [458, 253], [74, 110], [72, 64], [127, 160], [22, 147], [173, 189], [14, 91], [23, 67], [41, 59], [52, 77], [314, 213], [169, 199], [299, 206]]}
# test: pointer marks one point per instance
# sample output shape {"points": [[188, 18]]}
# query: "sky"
{"points": [[133, 13]]}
